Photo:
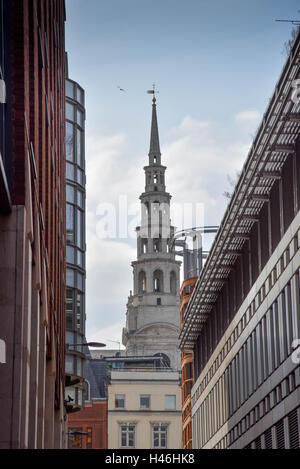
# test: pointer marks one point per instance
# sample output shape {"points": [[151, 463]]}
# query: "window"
{"points": [[145, 402], [158, 281], [80, 96], [70, 277], [142, 282], [89, 438], [69, 89], [70, 255], [75, 435], [170, 402], [69, 308], [173, 282], [159, 435], [158, 301], [70, 172], [69, 142], [127, 431], [120, 401], [70, 193], [79, 147], [70, 223], [80, 118], [70, 111]]}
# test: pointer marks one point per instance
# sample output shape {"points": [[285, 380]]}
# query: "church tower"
{"points": [[153, 311]]}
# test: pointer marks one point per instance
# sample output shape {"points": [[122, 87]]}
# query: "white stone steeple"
{"points": [[152, 318]]}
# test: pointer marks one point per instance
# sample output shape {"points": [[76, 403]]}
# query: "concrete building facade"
{"points": [[144, 409], [32, 223], [243, 319]]}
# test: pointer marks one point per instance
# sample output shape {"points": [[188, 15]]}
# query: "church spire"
{"points": [[154, 152], [154, 140]]}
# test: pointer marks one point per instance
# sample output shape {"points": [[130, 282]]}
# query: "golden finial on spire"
{"points": [[153, 91]]}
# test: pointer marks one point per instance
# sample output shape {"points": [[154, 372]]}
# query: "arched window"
{"points": [[173, 286], [155, 178], [164, 361], [142, 282], [156, 245], [154, 159], [144, 246], [158, 281]]}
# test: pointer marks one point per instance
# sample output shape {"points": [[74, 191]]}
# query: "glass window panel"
{"points": [[80, 177], [69, 142], [131, 439], [69, 337], [70, 223], [79, 312], [70, 255], [69, 89], [70, 172], [70, 277], [144, 402], [80, 96], [120, 401], [70, 111], [80, 117], [69, 320], [170, 402], [80, 199], [69, 364], [80, 281], [80, 259], [79, 146], [79, 229], [70, 193], [79, 367]]}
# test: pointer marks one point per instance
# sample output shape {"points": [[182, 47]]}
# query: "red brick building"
{"points": [[32, 223], [87, 429]]}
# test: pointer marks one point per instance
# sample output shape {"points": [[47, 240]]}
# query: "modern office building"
{"points": [[32, 223], [76, 248], [243, 319]]}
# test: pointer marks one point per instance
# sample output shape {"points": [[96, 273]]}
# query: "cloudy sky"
{"points": [[215, 64]]}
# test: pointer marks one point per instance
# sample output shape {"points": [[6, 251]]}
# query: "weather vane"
{"points": [[153, 91]]}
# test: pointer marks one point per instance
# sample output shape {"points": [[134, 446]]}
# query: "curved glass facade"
{"points": [[75, 251]]}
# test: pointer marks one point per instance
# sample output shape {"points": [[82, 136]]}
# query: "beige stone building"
{"points": [[144, 409]]}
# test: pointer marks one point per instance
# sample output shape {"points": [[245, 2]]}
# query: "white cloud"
{"points": [[248, 120]]}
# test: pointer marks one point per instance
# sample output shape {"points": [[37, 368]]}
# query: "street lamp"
{"points": [[87, 344]]}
